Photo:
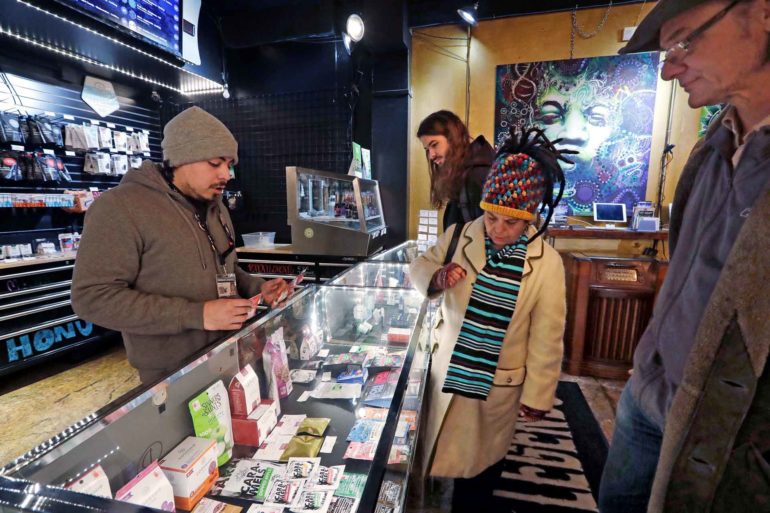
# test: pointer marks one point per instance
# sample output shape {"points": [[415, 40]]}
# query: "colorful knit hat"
{"points": [[515, 186]]}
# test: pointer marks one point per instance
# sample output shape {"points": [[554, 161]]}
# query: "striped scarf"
{"points": [[490, 309]]}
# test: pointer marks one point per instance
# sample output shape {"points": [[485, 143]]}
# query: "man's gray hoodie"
{"points": [[145, 268]]}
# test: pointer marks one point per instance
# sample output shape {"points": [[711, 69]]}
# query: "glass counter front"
{"points": [[375, 274], [403, 253], [352, 356]]}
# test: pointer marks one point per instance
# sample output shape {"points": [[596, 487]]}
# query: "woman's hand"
{"points": [[447, 277], [527, 414]]}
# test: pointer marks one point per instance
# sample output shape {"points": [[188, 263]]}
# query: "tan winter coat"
{"points": [[466, 436], [145, 268]]}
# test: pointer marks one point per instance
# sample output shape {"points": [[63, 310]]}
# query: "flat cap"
{"points": [[646, 38]]}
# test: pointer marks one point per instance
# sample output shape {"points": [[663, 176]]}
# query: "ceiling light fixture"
{"points": [[354, 27], [470, 14]]}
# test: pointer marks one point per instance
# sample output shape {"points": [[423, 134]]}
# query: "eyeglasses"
{"points": [[677, 52]]}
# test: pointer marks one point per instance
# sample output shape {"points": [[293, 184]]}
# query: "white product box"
{"points": [[244, 392], [149, 488], [191, 468], [93, 482]]}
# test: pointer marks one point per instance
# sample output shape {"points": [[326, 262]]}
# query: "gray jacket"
{"points": [[145, 268], [717, 433]]}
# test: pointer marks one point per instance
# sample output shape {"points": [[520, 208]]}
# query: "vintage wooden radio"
{"points": [[609, 303]]}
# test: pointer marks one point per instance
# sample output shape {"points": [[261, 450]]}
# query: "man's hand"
{"points": [[447, 277], [275, 291], [225, 314]]}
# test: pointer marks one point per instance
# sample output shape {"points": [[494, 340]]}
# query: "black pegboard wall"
{"points": [[309, 129], [21, 95]]}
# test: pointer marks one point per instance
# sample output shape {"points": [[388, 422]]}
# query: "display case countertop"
{"points": [[353, 356]]}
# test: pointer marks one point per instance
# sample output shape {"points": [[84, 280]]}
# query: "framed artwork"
{"points": [[600, 107]]}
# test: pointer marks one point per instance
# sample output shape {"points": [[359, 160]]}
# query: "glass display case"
{"points": [[350, 355], [333, 214], [403, 253], [375, 274]]}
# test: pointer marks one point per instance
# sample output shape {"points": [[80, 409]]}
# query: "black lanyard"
{"points": [[230, 239], [222, 257]]}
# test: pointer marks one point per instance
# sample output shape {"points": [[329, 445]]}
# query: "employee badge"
{"points": [[226, 287]]}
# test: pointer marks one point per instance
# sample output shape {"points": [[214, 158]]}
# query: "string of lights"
{"points": [[212, 86]]}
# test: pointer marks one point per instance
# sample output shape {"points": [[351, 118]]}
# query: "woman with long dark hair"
{"points": [[458, 166]]}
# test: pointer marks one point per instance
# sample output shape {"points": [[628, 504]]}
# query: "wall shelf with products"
{"points": [[52, 166]]}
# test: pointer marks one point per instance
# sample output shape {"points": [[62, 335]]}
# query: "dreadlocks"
{"points": [[533, 142]]}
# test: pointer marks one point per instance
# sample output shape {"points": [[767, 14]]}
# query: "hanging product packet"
{"points": [[9, 166], [210, 412]]}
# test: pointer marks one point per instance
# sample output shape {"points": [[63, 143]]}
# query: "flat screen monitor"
{"points": [[155, 21], [610, 212]]}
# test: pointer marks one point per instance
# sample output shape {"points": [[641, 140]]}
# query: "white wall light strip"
{"points": [[214, 85], [88, 60]]}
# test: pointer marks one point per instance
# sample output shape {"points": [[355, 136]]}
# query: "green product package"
{"points": [[302, 446], [210, 412], [351, 485], [313, 426]]}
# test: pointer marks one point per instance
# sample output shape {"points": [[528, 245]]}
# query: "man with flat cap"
{"points": [[692, 431]]}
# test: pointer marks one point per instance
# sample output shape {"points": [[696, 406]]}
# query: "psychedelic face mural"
{"points": [[601, 107]]}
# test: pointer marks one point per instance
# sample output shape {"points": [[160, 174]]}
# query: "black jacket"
{"points": [[477, 165]]}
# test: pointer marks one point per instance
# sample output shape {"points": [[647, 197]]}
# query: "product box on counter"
{"points": [[93, 482], [191, 468], [253, 429], [149, 488], [244, 392]]}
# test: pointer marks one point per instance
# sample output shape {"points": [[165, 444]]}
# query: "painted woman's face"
{"points": [[582, 125]]}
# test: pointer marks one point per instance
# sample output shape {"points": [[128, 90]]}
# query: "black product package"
{"points": [[31, 131], [9, 166], [61, 168], [10, 128]]}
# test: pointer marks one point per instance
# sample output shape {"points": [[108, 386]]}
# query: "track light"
{"points": [[354, 28], [225, 91], [347, 42], [470, 14]]}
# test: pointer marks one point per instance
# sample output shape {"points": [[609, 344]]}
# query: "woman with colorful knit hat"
{"points": [[498, 346]]}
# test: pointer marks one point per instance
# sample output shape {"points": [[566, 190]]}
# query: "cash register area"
{"points": [[43, 402]]}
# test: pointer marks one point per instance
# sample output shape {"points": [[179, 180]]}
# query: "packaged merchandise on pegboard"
{"points": [[75, 137], [135, 162], [120, 141], [92, 136], [10, 128], [119, 164], [105, 138], [9, 166]]}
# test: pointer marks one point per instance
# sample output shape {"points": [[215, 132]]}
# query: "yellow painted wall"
{"points": [[438, 81]]}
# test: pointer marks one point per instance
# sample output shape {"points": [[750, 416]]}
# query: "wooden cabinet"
{"points": [[609, 303]]}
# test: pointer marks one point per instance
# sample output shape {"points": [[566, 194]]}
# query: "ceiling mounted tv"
{"points": [[154, 21]]}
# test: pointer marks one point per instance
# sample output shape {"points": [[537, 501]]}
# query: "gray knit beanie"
{"points": [[194, 135]]}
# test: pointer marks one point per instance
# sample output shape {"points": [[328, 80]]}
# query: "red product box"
{"points": [[244, 392], [253, 429]]}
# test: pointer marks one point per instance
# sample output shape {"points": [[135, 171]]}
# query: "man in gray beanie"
{"points": [[692, 431], [157, 261]]}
